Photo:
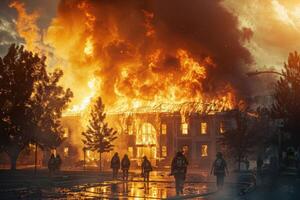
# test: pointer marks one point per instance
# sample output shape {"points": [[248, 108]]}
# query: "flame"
{"points": [[88, 49], [93, 84], [91, 52], [26, 26]]}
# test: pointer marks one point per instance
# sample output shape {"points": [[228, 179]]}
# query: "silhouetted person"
{"points": [[146, 168], [125, 165], [179, 170], [57, 162], [259, 163], [218, 168], [115, 165], [247, 163], [51, 164]]}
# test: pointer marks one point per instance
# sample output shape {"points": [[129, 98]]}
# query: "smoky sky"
{"points": [[203, 27], [8, 34]]}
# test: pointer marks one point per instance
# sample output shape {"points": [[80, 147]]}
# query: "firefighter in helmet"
{"points": [[179, 170], [146, 168], [115, 165]]}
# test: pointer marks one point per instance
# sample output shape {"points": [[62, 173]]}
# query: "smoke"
{"points": [[162, 51]]}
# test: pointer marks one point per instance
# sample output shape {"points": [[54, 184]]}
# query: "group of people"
{"points": [[178, 169], [54, 163], [124, 164]]}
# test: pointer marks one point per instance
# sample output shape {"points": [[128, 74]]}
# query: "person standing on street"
{"points": [[125, 165], [218, 168], [58, 162], [115, 165], [146, 168], [179, 170]]}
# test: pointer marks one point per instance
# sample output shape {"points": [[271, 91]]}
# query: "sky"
{"points": [[271, 27]]}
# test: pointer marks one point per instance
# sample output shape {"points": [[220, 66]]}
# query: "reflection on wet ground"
{"points": [[136, 190]]}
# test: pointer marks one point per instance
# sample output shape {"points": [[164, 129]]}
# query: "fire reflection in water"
{"points": [[138, 190]]}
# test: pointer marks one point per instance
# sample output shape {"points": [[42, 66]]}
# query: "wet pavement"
{"points": [[136, 190], [75, 185]]}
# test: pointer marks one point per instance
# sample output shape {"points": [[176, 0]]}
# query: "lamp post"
{"points": [[254, 73], [279, 125]]}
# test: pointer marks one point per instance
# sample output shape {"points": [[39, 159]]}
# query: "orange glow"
{"points": [[26, 26], [98, 60]]}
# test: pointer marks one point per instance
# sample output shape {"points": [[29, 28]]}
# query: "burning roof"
{"points": [[144, 56]]}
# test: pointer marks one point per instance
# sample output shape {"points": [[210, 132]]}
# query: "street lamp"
{"points": [[280, 136], [254, 73]]}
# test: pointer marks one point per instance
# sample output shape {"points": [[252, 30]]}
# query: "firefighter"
{"points": [[115, 165], [57, 163], [51, 164], [146, 168], [179, 170], [218, 168], [125, 165]]}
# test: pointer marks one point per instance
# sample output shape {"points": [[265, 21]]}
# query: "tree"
{"points": [[286, 104], [98, 136], [239, 141], [31, 103]]}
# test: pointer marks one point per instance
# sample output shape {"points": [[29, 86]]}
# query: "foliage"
{"points": [[31, 102], [98, 136], [240, 141], [286, 104]]}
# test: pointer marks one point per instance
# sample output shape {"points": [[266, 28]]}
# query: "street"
{"points": [[83, 185]]}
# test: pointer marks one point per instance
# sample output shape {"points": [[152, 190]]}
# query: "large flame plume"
{"points": [[144, 54]]}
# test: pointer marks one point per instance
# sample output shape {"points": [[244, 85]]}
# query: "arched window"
{"points": [[146, 135]]}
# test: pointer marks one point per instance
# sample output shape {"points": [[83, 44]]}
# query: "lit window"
{"points": [[153, 152], [184, 129], [203, 128], [146, 135], [164, 129], [164, 151], [66, 151], [130, 129], [185, 149], [140, 152], [53, 151], [32, 147], [130, 152], [204, 150], [66, 133], [222, 127]]}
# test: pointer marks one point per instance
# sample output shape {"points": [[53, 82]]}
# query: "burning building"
{"points": [[159, 134], [167, 71]]}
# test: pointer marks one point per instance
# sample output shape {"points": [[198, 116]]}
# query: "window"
{"points": [[66, 133], [203, 127], [140, 152], [130, 129], [204, 150], [146, 135], [164, 151], [222, 127], [130, 152], [164, 129], [153, 152], [184, 129], [66, 151], [185, 149]]}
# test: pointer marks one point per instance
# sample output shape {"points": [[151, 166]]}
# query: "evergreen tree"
{"points": [[98, 136], [286, 104]]}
